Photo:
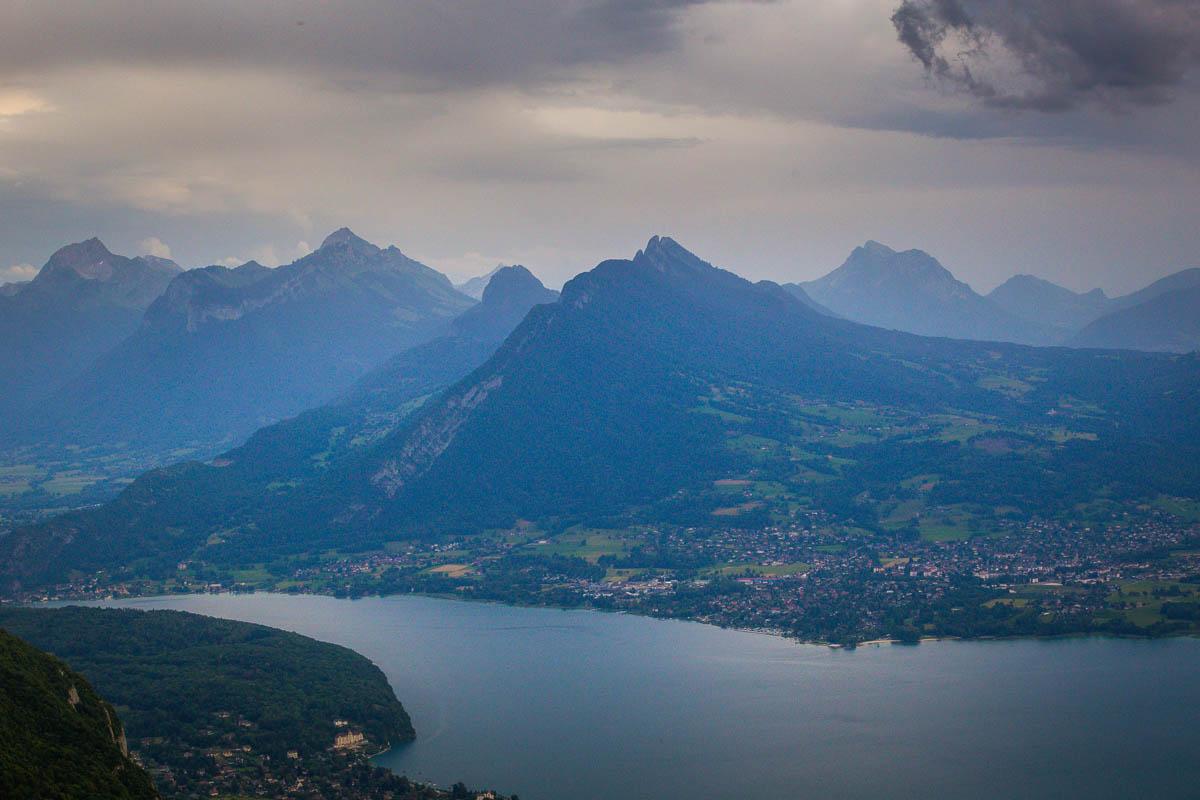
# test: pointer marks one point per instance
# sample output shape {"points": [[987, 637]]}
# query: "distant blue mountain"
{"points": [[621, 403], [82, 303], [224, 351], [1041, 302], [1167, 322], [910, 291], [1163, 316]]}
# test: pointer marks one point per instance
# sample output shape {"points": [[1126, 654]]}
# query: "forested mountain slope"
{"points": [[58, 737], [647, 381]]}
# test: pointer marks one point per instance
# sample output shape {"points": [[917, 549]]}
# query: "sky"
{"points": [[1053, 137]]}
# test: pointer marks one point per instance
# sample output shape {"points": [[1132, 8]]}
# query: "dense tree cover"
{"points": [[188, 678], [59, 740]]}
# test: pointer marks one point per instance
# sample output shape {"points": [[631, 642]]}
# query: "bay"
{"points": [[550, 704]]}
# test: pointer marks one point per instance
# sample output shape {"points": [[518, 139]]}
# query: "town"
{"points": [[812, 579]]}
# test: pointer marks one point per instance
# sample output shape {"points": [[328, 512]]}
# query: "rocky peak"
{"points": [[89, 260], [668, 256], [346, 239]]}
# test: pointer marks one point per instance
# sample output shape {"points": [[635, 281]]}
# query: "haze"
{"points": [[771, 135]]}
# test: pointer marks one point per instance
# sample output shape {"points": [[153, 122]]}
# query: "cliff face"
{"points": [[58, 738]]}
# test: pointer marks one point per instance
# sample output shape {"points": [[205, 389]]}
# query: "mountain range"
{"points": [[911, 291], [222, 352], [1039, 301], [81, 304], [1168, 322], [646, 381]]}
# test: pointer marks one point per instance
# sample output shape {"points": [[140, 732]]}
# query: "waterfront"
{"points": [[577, 704]]}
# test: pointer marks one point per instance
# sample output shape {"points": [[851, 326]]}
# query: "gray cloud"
{"points": [[1054, 55], [769, 136], [438, 45]]}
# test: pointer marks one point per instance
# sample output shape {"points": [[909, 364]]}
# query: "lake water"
{"points": [[583, 705]]}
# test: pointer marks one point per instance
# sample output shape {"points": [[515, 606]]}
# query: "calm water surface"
{"points": [[583, 705]]}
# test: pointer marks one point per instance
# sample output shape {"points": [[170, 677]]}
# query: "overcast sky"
{"points": [[1057, 137]]}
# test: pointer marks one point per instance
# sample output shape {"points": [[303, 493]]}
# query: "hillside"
{"points": [[223, 352], [58, 737], [82, 303], [189, 683], [1168, 322], [277, 462], [473, 287], [910, 291], [647, 381], [1175, 282], [797, 291]]}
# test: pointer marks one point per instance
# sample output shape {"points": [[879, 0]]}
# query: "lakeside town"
{"points": [[811, 579]]}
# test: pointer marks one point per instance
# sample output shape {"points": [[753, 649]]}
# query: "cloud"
{"points": [[14, 102], [153, 246], [1055, 55], [17, 273], [770, 137], [438, 45]]}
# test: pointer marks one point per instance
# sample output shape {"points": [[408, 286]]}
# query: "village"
{"points": [[809, 578]]}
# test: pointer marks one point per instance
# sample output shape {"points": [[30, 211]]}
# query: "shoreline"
{"points": [[774, 632]]}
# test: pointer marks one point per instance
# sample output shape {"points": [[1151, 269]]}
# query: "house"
{"points": [[348, 740]]}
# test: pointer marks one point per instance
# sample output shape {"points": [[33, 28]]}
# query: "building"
{"points": [[348, 740]]}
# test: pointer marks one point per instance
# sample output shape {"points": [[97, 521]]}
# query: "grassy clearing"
{"points": [[1005, 385], [252, 575], [943, 531], [758, 447], [451, 570], [70, 482], [724, 416], [850, 416], [902, 513], [1185, 509], [738, 510], [1012, 602], [586, 543]]}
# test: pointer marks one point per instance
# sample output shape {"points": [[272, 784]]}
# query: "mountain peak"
{"points": [[874, 248], [508, 296], [473, 287], [666, 255], [344, 237], [88, 260], [509, 280]]}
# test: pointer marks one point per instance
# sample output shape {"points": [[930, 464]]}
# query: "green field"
{"points": [[1186, 510], [586, 543]]}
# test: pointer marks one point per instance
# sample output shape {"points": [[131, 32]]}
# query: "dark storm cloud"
{"points": [[467, 42], [1054, 55]]}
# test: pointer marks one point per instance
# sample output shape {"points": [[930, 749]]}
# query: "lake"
{"points": [[584, 705]]}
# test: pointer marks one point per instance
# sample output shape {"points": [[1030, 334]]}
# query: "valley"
{"points": [[600, 400], [734, 457]]}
